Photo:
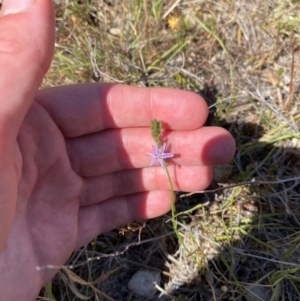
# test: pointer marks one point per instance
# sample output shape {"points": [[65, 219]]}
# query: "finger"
{"points": [[105, 216], [26, 47], [114, 150], [125, 182], [95, 107]]}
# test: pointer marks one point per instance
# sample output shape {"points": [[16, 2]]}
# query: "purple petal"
{"points": [[167, 155], [155, 149], [151, 155], [161, 161], [153, 161], [162, 149]]}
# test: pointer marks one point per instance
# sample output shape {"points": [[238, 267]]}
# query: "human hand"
{"points": [[73, 160]]}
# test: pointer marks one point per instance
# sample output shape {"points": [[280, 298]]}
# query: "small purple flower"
{"points": [[159, 154]]}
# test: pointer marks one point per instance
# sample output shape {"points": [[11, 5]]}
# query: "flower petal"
{"points": [[155, 149], [167, 155], [153, 161], [162, 149], [161, 161], [151, 155]]}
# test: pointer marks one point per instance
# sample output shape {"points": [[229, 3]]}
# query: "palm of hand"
{"points": [[46, 218]]}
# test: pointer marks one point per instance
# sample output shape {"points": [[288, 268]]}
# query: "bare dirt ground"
{"points": [[242, 56]]}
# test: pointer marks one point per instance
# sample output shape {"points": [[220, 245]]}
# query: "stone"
{"points": [[143, 283]]}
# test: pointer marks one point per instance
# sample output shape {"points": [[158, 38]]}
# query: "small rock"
{"points": [[143, 283], [115, 31], [224, 288]]}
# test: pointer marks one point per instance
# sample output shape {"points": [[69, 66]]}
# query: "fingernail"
{"points": [[16, 6]]}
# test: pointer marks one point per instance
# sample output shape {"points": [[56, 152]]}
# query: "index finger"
{"points": [[88, 108]]}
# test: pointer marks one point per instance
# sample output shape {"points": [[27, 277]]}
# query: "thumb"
{"points": [[26, 49]]}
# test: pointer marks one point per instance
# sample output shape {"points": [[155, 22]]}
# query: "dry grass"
{"points": [[243, 57]]}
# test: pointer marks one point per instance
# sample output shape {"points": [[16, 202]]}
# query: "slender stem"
{"points": [[173, 218], [155, 127]]}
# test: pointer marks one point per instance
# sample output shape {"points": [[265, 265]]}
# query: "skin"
{"points": [[72, 158]]}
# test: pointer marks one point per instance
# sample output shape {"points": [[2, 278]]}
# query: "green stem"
{"points": [[173, 218], [155, 127]]}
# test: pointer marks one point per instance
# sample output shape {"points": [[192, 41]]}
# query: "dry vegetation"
{"points": [[242, 56]]}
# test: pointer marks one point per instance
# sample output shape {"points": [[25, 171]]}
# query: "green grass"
{"points": [[242, 56]]}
